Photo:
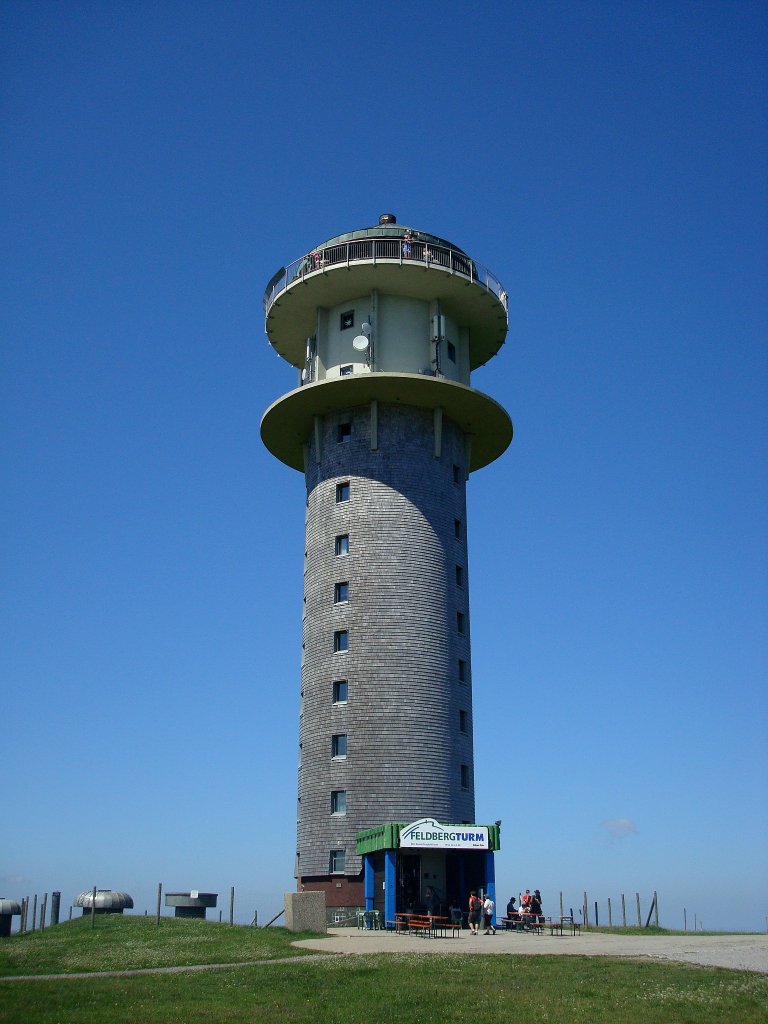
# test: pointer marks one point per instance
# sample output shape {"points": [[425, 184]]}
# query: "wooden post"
{"points": [[639, 922], [586, 914], [656, 906], [159, 896], [561, 903], [653, 904], [34, 913], [685, 920], [273, 919], [93, 908], [232, 905], [623, 912], [597, 918], [610, 916], [43, 910]]}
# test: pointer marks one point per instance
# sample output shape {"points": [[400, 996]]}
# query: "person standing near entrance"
{"points": [[536, 907], [488, 916], [475, 907]]}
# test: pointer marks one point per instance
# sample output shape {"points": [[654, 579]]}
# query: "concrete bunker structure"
{"points": [[192, 903]]}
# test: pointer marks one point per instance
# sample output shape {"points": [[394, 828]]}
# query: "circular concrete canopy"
{"points": [[191, 899], [287, 424], [292, 317]]}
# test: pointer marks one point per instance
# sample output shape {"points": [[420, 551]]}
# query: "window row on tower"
{"points": [[338, 805]]}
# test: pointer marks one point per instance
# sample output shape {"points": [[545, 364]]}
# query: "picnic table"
{"points": [[536, 923], [427, 925]]}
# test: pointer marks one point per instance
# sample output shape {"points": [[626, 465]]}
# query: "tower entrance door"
{"points": [[408, 896]]}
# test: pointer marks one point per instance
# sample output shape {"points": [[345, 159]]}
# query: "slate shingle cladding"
{"points": [[404, 744]]}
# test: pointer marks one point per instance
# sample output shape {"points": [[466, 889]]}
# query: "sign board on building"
{"points": [[426, 833]]}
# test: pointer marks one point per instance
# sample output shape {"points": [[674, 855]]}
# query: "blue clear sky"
{"points": [[608, 162]]}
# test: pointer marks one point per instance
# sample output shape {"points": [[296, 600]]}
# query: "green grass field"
{"points": [[346, 989]]}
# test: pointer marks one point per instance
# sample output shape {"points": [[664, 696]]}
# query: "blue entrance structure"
{"points": [[410, 868]]}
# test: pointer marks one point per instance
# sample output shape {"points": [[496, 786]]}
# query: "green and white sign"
{"points": [[426, 833]]}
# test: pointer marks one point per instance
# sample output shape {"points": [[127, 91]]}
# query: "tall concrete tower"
{"points": [[384, 326]]}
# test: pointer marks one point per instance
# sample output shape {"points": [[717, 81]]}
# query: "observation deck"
{"points": [[429, 314], [394, 259]]}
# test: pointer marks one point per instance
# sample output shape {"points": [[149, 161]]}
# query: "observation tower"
{"points": [[384, 326]]}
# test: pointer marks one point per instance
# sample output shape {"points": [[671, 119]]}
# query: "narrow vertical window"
{"points": [[462, 671], [340, 691], [343, 432], [340, 641], [342, 491], [465, 776], [456, 474], [341, 546], [463, 721], [339, 745], [459, 576], [456, 528], [460, 621], [339, 801], [337, 862], [341, 593]]}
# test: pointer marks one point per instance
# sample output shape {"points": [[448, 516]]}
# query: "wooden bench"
{"points": [[510, 923], [421, 926]]}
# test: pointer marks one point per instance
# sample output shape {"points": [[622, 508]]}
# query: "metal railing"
{"points": [[371, 250]]}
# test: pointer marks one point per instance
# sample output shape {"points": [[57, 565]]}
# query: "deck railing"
{"points": [[370, 250]]}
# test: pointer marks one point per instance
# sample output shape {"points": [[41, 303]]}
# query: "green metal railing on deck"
{"points": [[372, 250]]}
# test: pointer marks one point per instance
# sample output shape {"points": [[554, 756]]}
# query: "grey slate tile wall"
{"points": [[405, 747]]}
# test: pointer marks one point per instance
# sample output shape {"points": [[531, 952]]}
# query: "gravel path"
{"points": [[180, 969], [737, 952]]}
